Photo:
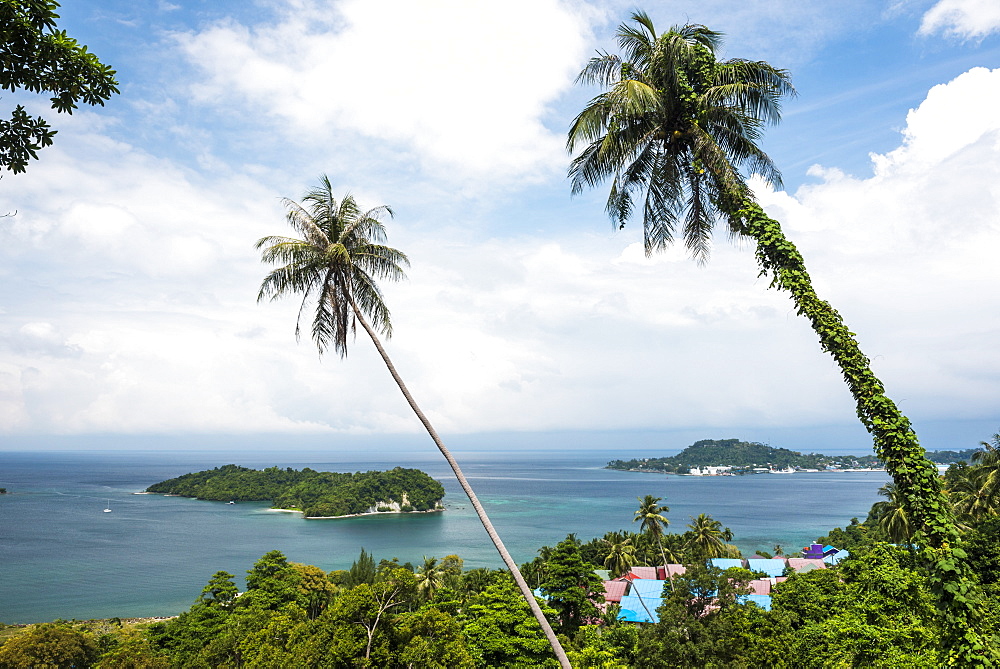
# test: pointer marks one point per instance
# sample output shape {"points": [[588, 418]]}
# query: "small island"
{"points": [[729, 457], [315, 494], [732, 457]]}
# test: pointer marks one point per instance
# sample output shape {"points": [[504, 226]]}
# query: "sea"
{"points": [[63, 557]]}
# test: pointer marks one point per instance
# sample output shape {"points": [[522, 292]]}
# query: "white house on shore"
{"points": [[709, 471]]}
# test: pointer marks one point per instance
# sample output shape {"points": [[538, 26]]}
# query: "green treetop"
{"points": [[36, 57]]}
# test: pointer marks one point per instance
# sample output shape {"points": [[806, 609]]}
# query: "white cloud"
{"points": [[966, 19], [130, 282], [464, 86], [909, 254]]}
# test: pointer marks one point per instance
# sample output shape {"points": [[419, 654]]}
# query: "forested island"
{"points": [[315, 494], [750, 457], [743, 457]]}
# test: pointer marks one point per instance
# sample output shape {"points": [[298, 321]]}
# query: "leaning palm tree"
{"points": [[651, 519], [671, 131], [337, 264]]}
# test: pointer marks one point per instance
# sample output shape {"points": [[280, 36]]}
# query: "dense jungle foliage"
{"points": [[872, 610], [316, 494]]}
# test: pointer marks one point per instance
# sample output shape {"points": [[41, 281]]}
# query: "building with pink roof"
{"points": [[614, 590], [643, 572], [801, 565]]}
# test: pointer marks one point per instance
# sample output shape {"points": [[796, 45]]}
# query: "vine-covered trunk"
{"points": [[895, 441], [529, 596]]}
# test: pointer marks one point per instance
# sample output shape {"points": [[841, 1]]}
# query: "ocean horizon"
{"points": [[151, 555]]}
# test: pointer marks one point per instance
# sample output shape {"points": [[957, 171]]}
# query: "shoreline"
{"points": [[304, 517], [357, 515], [812, 471]]}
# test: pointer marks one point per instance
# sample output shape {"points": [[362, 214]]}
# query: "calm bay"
{"points": [[63, 557]]}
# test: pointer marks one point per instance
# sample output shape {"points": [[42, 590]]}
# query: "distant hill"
{"points": [[316, 494], [949, 457], [743, 457]]}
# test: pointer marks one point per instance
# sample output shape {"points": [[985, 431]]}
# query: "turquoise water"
{"points": [[63, 557]]}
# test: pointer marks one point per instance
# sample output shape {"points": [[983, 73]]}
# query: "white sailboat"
{"points": [[107, 509]]}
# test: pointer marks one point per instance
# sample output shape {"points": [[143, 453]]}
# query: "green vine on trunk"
{"points": [[895, 443]]}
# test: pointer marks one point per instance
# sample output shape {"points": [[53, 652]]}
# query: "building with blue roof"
{"points": [[640, 610], [726, 563], [763, 601], [773, 568], [647, 587], [834, 558]]}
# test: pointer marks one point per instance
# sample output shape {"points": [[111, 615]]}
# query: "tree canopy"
{"points": [[37, 57]]}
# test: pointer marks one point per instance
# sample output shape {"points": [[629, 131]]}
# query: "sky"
{"points": [[129, 275]]}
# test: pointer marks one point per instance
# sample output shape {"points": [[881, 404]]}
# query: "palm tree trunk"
{"points": [[895, 441], [529, 596]]}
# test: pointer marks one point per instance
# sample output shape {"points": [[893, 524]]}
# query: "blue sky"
{"points": [[129, 274]]}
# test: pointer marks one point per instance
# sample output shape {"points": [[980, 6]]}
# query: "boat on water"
{"points": [[107, 509]]}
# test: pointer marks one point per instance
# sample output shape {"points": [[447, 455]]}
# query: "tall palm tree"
{"points": [[337, 264], [651, 519], [672, 130], [708, 538]]}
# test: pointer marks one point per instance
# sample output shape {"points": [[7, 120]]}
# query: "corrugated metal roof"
{"points": [[643, 572], [834, 558], [763, 601], [760, 586], [647, 588], [726, 563], [614, 590], [802, 565], [773, 568], [604, 574], [675, 569], [636, 611]]}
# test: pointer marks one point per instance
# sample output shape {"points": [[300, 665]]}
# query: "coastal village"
{"points": [[639, 592], [730, 471]]}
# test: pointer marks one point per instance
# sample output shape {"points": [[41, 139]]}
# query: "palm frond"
{"points": [[335, 266], [666, 95]]}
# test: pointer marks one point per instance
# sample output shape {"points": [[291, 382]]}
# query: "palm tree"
{"points": [[988, 462], [430, 577], [970, 493], [621, 554], [672, 131], [974, 490], [708, 538], [651, 519], [337, 264], [891, 517]]}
